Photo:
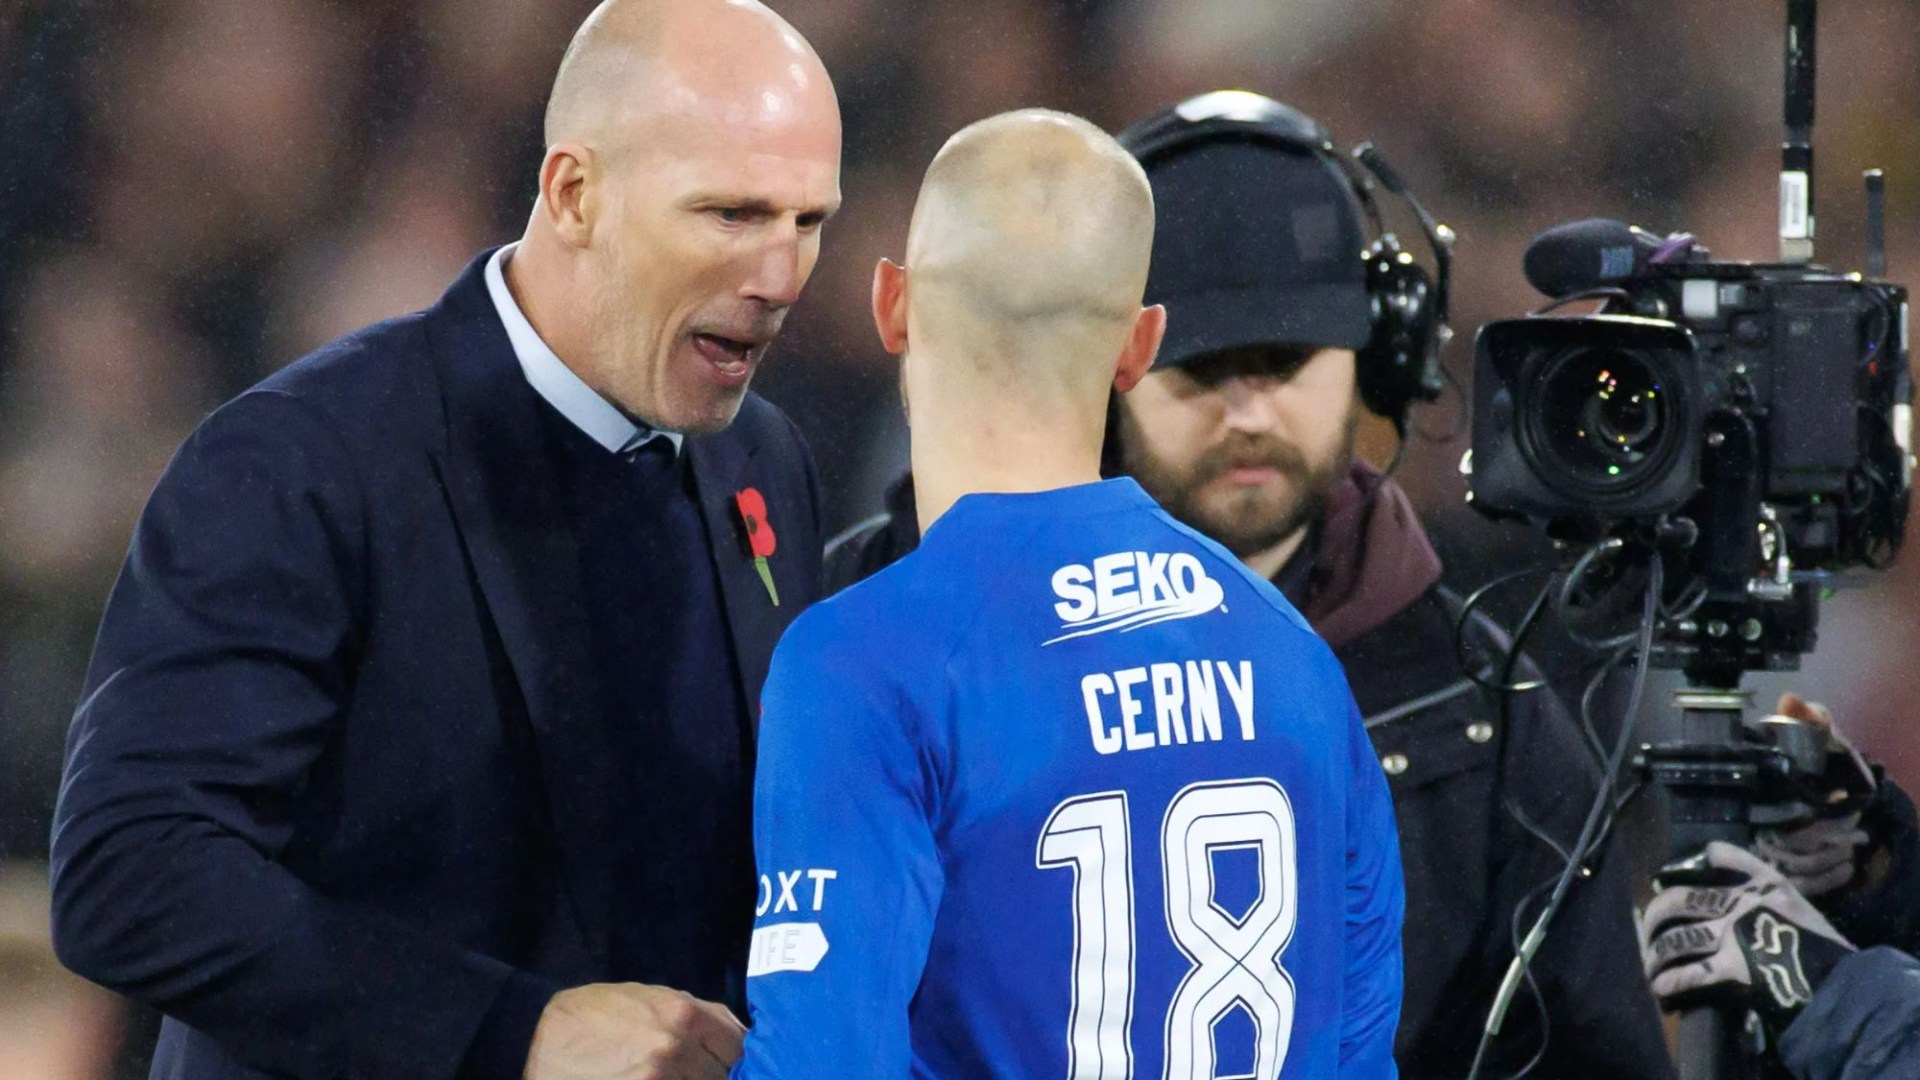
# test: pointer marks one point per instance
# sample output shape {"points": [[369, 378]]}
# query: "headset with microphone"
{"points": [[1400, 364]]}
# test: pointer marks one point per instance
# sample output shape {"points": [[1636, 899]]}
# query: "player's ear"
{"points": [[890, 305], [1143, 344]]}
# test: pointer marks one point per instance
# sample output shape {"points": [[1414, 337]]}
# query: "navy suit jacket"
{"points": [[337, 773]]}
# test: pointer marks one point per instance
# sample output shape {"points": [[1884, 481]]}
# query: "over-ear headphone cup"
{"points": [[1400, 364]]}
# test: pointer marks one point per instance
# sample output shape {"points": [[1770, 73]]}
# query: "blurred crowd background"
{"points": [[195, 192]]}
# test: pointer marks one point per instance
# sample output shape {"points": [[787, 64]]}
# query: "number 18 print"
{"points": [[1236, 961]]}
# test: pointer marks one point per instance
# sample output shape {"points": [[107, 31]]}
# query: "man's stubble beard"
{"points": [[1249, 522], [645, 393], [621, 339]]}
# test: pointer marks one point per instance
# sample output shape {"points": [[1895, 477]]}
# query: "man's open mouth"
{"points": [[733, 357]]}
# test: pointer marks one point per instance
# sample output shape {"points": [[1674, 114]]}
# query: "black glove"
{"points": [[1728, 929], [1822, 855]]}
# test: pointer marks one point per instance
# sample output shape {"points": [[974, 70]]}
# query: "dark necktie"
{"points": [[654, 458]]}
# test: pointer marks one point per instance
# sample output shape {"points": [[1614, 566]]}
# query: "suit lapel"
{"points": [[721, 470], [497, 469]]}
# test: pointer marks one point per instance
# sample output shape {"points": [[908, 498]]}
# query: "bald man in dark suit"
{"points": [[418, 736]]}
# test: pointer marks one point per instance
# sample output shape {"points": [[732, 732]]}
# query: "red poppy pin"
{"points": [[760, 539]]}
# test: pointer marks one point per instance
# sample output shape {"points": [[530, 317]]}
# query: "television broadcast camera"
{"points": [[1721, 437], [1755, 415]]}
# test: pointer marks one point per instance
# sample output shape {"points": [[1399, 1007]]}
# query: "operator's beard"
{"points": [[1246, 522]]}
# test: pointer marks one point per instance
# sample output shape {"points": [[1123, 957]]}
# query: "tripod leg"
{"points": [[1709, 1039]]}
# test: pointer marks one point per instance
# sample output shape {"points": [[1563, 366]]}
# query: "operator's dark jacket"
{"points": [[1368, 581], [1864, 1021], [1862, 1024]]}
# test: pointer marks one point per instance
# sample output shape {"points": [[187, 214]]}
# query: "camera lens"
{"points": [[1600, 418], [1622, 415]]}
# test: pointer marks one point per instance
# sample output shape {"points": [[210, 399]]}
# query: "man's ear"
{"points": [[1136, 358], [890, 305], [565, 197]]}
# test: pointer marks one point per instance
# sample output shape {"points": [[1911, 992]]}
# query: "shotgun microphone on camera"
{"points": [[1582, 255]]}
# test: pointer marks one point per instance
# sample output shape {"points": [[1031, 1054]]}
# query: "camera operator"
{"points": [[1830, 1011], [1244, 430]]}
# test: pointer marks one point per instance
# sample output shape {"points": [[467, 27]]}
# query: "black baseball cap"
{"points": [[1258, 237]]}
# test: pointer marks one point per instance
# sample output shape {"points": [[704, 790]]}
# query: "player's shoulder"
{"points": [[935, 591], [1218, 560], [898, 611], [1258, 610], [864, 656]]}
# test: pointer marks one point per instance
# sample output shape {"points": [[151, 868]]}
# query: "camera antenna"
{"points": [[1796, 154], [1876, 223]]}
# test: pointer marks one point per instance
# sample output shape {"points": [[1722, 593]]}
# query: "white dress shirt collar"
{"points": [[555, 381]]}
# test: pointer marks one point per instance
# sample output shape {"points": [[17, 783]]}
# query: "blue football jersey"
{"points": [[1068, 792]]}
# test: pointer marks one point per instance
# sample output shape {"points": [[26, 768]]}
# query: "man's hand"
{"points": [[627, 1031], [1820, 856], [1744, 936]]}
